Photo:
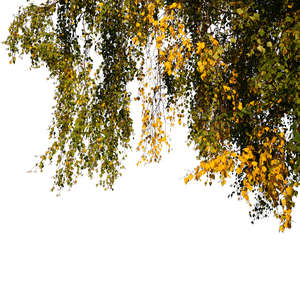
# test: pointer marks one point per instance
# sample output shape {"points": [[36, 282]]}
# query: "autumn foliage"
{"points": [[228, 70]]}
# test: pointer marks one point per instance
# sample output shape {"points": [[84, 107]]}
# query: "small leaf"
{"points": [[261, 49], [261, 32], [240, 11], [233, 40]]}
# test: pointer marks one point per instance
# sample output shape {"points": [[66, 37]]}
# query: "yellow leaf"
{"points": [[245, 195], [240, 107], [289, 190], [214, 41], [158, 42], [254, 164], [226, 88], [135, 40], [201, 45], [168, 67], [200, 66], [203, 75]]}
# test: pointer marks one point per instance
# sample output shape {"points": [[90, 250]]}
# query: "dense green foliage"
{"points": [[228, 69]]}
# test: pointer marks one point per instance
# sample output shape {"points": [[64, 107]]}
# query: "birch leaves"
{"points": [[228, 70]]}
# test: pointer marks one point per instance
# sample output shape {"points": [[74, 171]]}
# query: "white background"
{"points": [[152, 238]]}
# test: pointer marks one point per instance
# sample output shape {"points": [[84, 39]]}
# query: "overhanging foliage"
{"points": [[228, 69]]}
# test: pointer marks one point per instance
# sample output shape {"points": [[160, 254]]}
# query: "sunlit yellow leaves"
{"points": [[155, 23], [289, 191], [168, 67], [188, 178], [245, 194], [239, 171], [203, 75], [135, 40], [200, 47], [99, 7], [187, 44], [214, 41], [267, 173], [285, 218], [159, 42], [151, 7], [175, 5], [181, 29], [200, 66], [232, 80], [226, 88], [223, 164]]}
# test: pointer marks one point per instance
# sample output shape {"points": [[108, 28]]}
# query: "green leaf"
{"points": [[240, 11], [261, 32]]}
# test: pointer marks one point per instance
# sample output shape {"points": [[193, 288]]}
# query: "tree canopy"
{"points": [[228, 70]]}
